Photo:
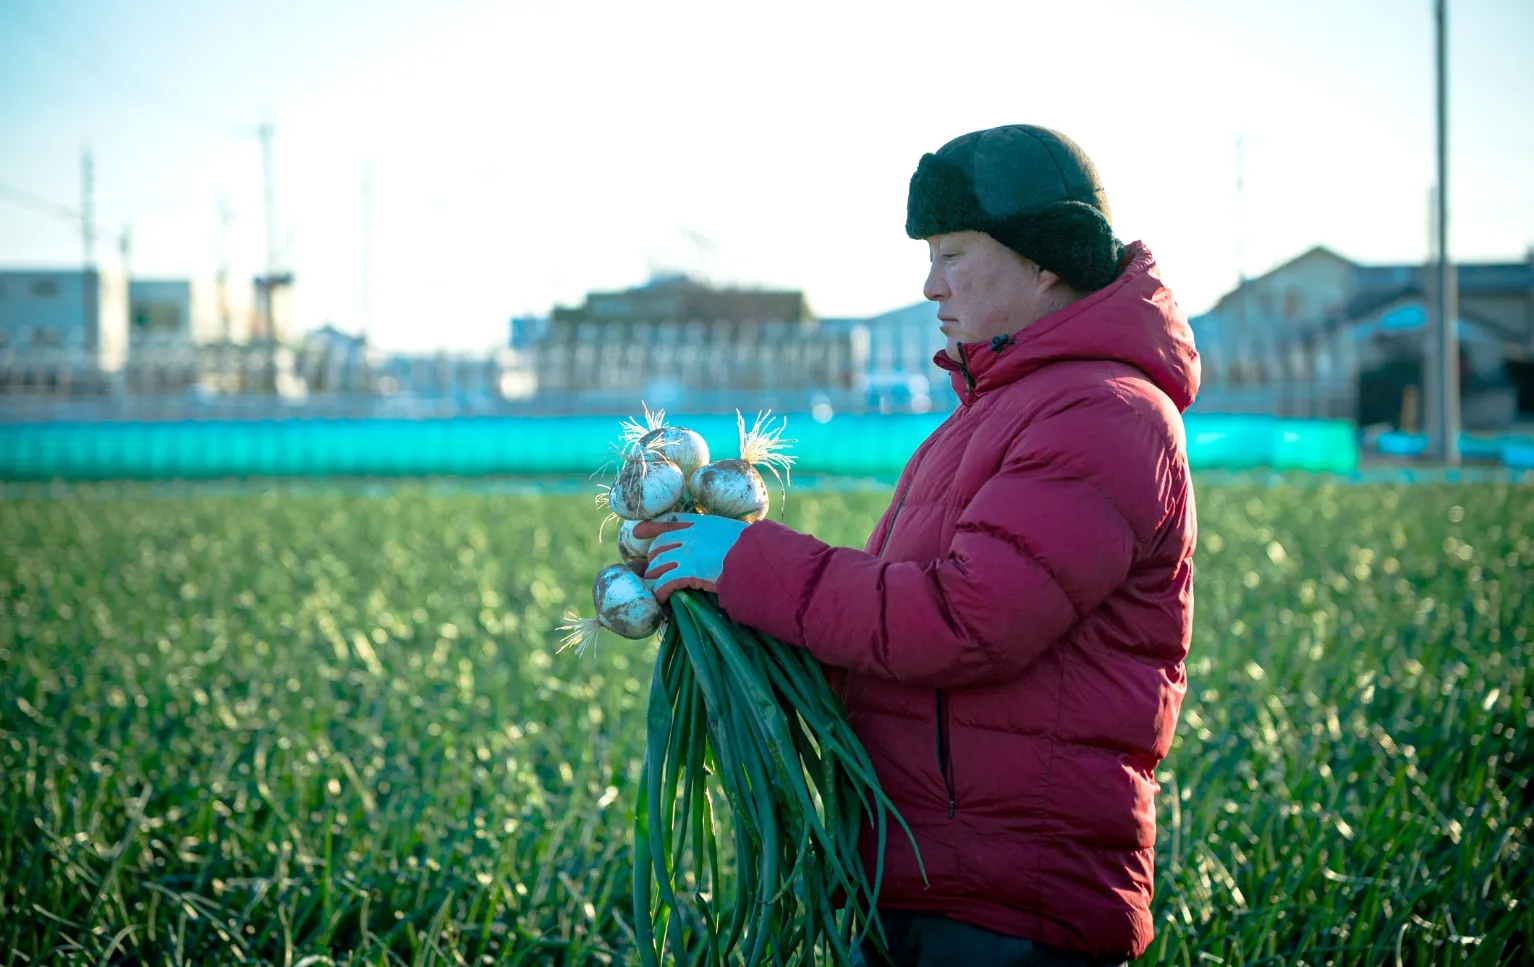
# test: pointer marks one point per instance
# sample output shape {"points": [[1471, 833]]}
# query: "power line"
{"points": [[32, 201], [37, 203]]}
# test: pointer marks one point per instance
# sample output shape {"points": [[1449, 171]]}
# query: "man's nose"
{"points": [[935, 288]]}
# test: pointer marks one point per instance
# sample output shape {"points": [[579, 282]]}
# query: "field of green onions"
{"points": [[309, 727]]}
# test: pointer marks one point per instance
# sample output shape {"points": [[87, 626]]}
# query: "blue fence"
{"points": [[865, 445]]}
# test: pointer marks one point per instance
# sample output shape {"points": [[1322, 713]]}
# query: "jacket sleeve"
{"points": [[1041, 545]]}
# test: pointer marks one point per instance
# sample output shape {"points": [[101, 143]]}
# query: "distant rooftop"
{"points": [[679, 298]]}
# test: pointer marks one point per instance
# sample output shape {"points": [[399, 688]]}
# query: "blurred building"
{"points": [[460, 382], [1324, 336], [159, 316], [677, 298], [329, 360], [1380, 342], [674, 341], [898, 373], [57, 308], [525, 331], [159, 313], [179, 343], [61, 330]]}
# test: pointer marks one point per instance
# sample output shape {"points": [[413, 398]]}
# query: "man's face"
{"points": [[984, 289]]}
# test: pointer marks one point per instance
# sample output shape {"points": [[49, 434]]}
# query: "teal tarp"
{"points": [[846, 445]]}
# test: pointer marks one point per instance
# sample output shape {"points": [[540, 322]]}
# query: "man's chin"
{"points": [[952, 349]]}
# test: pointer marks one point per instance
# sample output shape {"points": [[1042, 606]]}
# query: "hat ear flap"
{"points": [[941, 200], [1071, 239]]}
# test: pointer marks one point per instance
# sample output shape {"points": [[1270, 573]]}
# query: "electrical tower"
{"points": [[274, 281]]}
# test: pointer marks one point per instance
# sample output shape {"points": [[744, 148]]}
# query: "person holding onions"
{"points": [[1009, 644]]}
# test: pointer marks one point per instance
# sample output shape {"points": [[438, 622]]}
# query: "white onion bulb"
{"points": [[632, 548], [730, 488], [647, 486], [625, 604], [681, 446]]}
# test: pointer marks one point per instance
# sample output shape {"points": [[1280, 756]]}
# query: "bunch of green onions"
{"points": [[735, 709], [732, 711]]}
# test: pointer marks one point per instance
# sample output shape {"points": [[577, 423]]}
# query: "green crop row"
{"points": [[300, 727]]}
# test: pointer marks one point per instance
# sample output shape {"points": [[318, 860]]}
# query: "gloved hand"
{"points": [[688, 550]]}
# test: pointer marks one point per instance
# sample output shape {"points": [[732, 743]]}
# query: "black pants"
{"points": [[921, 940]]}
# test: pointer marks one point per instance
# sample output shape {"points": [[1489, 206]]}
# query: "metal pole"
{"points": [[1240, 211], [88, 208], [1445, 346], [224, 218], [267, 313], [270, 192], [90, 285], [367, 249]]}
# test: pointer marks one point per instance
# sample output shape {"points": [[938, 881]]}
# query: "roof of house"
{"points": [[1317, 251], [1372, 303], [1378, 286], [329, 333], [1474, 278]]}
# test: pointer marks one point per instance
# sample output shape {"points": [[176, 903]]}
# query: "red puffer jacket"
{"points": [[1014, 631]]}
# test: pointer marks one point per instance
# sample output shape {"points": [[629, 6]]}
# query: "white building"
{"points": [[63, 320]]}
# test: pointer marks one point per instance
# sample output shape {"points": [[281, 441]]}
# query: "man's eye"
{"points": [[949, 257]]}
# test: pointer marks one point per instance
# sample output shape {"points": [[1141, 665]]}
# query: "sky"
{"points": [[520, 155]]}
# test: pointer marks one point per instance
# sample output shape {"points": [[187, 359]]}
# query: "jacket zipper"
{"points": [[943, 764], [940, 714], [894, 516], [969, 378]]}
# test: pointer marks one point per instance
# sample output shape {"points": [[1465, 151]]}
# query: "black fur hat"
{"points": [[1030, 188]]}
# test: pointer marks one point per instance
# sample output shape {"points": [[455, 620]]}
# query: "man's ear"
{"points": [[1049, 281]]}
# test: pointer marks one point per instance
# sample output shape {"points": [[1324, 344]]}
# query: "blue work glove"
{"points": [[688, 550]]}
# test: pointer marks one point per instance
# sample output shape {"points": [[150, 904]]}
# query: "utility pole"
{"points": [[1441, 358], [1234, 364], [89, 283], [269, 190], [367, 250], [88, 208], [268, 285], [221, 280], [1240, 212], [266, 312]]}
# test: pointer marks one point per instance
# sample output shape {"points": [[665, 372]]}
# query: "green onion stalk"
{"points": [[753, 789], [737, 713]]}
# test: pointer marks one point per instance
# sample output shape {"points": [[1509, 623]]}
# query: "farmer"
{"points": [[1009, 644]]}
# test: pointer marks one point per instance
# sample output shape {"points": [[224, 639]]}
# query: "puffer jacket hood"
{"points": [[1133, 320]]}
